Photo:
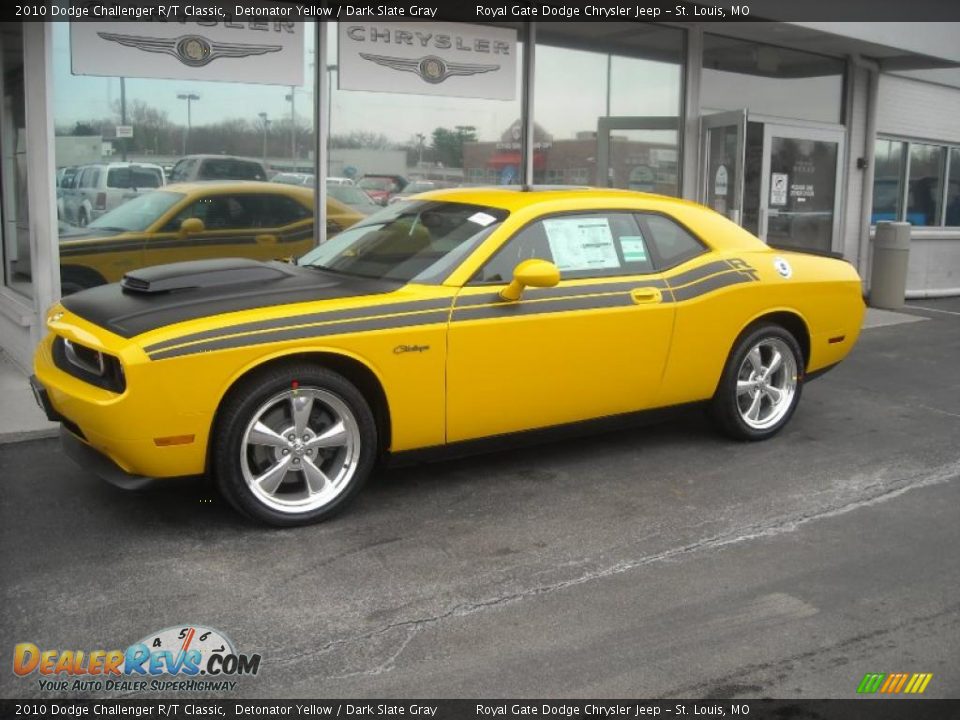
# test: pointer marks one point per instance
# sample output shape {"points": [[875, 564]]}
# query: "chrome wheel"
{"points": [[300, 450], [766, 383]]}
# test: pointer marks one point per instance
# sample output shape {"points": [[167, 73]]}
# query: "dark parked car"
{"points": [[217, 167]]}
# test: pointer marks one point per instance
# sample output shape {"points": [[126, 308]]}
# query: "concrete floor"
{"points": [[662, 561]]}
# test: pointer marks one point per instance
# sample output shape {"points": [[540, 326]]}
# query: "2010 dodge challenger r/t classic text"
{"points": [[454, 316]]}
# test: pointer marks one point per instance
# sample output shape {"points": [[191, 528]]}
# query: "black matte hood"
{"points": [[154, 297]]}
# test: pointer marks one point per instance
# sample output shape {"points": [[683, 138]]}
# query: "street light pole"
{"points": [[266, 123], [330, 70], [189, 97], [293, 125]]}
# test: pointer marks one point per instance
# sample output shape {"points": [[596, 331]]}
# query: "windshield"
{"points": [[139, 213], [350, 194], [404, 241]]}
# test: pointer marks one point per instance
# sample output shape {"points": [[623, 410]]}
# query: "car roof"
{"points": [[515, 197], [240, 186], [205, 156]]}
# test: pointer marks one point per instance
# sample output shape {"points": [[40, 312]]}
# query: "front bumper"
{"points": [[42, 397], [99, 464]]}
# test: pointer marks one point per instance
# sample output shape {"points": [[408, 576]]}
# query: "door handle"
{"points": [[645, 295]]}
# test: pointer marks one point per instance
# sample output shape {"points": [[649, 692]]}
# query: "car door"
{"points": [[595, 345], [257, 226]]}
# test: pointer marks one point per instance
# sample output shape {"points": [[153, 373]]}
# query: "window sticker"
{"points": [[581, 243], [633, 248], [482, 219]]}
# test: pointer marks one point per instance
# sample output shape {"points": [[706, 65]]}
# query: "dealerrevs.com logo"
{"points": [[191, 657]]}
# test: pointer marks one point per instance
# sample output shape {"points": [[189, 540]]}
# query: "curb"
{"points": [[41, 434]]}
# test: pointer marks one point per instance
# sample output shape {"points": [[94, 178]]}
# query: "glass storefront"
{"points": [[14, 213], [124, 145], [607, 105], [769, 80], [392, 144]]}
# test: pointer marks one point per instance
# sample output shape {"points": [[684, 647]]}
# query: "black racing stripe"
{"points": [[311, 318], [305, 333], [698, 273], [567, 291], [543, 307], [98, 248], [176, 242], [710, 284]]}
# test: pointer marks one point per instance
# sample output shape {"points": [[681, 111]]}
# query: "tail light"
{"points": [[101, 201]]}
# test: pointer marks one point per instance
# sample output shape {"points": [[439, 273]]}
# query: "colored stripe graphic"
{"points": [[894, 683], [871, 682]]}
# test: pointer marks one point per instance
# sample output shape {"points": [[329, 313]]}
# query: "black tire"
{"points": [[75, 279], [235, 460], [727, 405]]}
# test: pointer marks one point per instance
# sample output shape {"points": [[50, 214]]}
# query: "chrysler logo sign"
{"points": [[431, 68], [428, 58], [191, 50]]}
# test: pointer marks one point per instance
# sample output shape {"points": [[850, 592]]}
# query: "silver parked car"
{"points": [[96, 189]]}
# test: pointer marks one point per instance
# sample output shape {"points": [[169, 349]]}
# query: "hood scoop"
{"points": [[199, 274]]}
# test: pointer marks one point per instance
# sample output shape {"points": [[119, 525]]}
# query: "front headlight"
{"points": [[92, 366]]}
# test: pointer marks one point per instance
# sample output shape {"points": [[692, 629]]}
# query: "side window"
{"points": [[672, 242], [279, 210], [95, 179], [581, 246], [218, 212], [86, 178]]}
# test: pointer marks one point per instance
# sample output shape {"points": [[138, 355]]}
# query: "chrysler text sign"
{"points": [[428, 59], [269, 53]]}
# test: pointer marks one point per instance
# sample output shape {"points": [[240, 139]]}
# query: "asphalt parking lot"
{"points": [[654, 562]]}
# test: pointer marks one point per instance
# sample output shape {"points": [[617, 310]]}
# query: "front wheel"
{"points": [[294, 445], [761, 384]]}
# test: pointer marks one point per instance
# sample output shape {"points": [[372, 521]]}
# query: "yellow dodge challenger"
{"points": [[193, 221], [458, 316]]}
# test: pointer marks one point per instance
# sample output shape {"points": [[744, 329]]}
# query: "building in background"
{"points": [[807, 134]]}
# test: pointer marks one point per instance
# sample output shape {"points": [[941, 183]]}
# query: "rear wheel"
{"points": [[761, 384], [294, 445]]}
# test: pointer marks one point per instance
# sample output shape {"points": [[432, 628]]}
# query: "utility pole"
{"points": [[293, 125], [266, 124], [189, 97], [123, 113]]}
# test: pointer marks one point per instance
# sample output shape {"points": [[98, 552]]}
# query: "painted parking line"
{"points": [[936, 310]]}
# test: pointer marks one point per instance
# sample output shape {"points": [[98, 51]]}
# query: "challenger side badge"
{"points": [[782, 267]]}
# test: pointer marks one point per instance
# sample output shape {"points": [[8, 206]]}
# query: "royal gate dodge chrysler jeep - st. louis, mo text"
{"points": [[459, 315]]}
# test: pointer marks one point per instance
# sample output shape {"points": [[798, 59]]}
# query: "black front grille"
{"points": [[112, 377]]}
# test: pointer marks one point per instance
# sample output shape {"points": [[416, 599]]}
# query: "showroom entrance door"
{"points": [[778, 179], [639, 153], [799, 190], [723, 142]]}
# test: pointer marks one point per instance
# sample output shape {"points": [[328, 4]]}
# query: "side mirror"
{"points": [[191, 226], [530, 273]]}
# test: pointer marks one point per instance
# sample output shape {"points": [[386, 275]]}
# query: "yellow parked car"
{"points": [[194, 221], [456, 316]]}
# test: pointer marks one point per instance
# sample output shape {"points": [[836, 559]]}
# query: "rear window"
{"points": [[134, 178], [230, 169]]}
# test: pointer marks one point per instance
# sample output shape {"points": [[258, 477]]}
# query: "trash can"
{"points": [[888, 277]]}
